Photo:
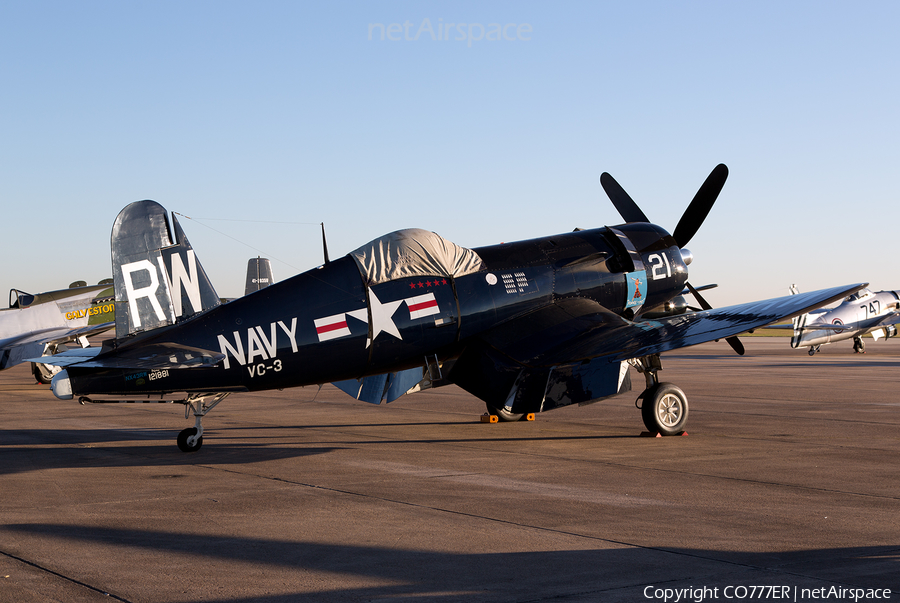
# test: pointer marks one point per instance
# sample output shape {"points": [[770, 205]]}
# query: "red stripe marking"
{"points": [[423, 306], [331, 327]]}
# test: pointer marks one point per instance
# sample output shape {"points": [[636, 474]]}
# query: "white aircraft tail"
{"points": [[158, 279], [799, 322]]}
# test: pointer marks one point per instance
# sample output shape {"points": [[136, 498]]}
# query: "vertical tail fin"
{"points": [[799, 322], [158, 278], [259, 275]]}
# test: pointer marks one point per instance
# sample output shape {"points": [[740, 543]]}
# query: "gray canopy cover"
{"points": [[414, 252]]}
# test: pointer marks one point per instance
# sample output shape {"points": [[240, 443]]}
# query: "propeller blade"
{"points": [[701, 288], [734, 342], [699, 208], [700, 300], [625, 205], [736, 345]]}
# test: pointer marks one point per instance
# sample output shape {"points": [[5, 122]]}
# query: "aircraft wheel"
{"points": [[504, 414], [42, 373], [183, 440], [812, 351], [859, 346], [664, 409]]}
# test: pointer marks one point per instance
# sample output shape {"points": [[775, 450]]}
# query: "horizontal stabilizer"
{"points": [[145, 356], [69, 357]]}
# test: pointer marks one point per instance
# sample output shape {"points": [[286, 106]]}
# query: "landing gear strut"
{"points": [[664, 407], [191, 439], [813, 349]]}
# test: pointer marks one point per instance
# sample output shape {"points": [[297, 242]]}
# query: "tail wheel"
{"points": [[664, 409], [183, 437]]}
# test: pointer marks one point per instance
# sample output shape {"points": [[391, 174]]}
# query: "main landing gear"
{"points": [[191, 439], [664, 407], [813, 349], [859, 346], [503, 414]]}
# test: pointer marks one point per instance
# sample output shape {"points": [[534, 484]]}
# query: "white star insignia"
{"points": [[382, 317]]}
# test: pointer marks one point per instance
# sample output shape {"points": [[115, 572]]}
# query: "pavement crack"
{"points": [[64, 577]]}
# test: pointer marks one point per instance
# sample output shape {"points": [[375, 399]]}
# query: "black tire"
{"points": [[664, 409], [183, 440], [503, 414], [42, 373]]}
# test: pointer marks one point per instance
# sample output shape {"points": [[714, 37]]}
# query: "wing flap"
{"points": [[506, 384], [386, 387]]}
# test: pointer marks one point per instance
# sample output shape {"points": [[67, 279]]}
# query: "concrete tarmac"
{"points": [[788, 478]]}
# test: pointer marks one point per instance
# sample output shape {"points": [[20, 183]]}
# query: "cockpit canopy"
{"points": [[20, 299], [859, 295], [414, 252]]}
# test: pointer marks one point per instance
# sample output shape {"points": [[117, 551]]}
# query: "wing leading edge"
{"points": [[648, 337]]}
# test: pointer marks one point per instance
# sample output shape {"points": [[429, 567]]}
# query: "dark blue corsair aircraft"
{"points": [[526, 327]]}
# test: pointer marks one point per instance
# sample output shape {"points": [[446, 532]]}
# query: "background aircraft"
{"points": [[35, 325], [862, 312], [526, 326], [259, 275]]}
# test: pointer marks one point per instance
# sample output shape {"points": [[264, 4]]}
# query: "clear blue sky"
{"points": [[287, 113]]}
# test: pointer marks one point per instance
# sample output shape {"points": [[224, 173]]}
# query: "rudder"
{"points": [[157, 277]]}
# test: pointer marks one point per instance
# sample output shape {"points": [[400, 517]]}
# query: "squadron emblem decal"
{"points": [[637, 288]]}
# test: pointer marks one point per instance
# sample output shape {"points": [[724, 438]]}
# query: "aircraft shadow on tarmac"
{"points": [[57, 449], [454, 436], [36, 450], [437, 575]]}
